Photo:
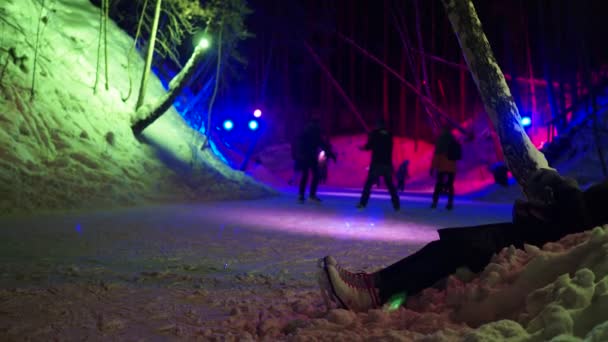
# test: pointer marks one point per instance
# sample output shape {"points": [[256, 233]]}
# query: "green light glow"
{"points": [[396, 301], [204, 43]]}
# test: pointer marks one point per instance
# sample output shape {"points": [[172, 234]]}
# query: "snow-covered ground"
{"points": [[204, 271], [233, 270]]}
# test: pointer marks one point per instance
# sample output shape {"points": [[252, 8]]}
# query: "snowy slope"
{"points": [[69, 147]]}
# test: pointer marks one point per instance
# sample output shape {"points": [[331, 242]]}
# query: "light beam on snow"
{"points": [[315, 220]]}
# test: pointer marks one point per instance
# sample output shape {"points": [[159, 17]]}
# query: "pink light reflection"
{"points": [[319, 222]]}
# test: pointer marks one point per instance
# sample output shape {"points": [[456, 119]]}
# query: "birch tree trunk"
{"points": [[149, 55], [146, 115], [522, 157]]}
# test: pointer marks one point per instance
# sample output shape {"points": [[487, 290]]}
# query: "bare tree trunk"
{"points": [[547, 59], [463, 95], [137, 34], [99, 43], [401, 25], [38, 34], [106, 15], [385, 90], [521, 155], [150, 53], [425, 78], [402, 99], [216, 86], [146, 115]]}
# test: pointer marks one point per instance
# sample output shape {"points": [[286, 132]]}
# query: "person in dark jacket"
{"points": [[447, 152], [310, 143], [561, 209], [380, 142]]}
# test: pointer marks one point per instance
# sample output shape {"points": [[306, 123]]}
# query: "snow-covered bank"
{"points": [[71, 147]]}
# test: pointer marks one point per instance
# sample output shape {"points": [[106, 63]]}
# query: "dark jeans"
{"points": [[375, 172], [401, 182], [470, 247], [445, 183], [312, 167]]}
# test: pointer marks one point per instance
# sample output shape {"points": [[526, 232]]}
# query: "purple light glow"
{"points": [[312, 221], [257, 113]]}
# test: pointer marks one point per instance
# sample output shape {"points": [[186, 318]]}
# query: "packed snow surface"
{"points": [[203, 271]]}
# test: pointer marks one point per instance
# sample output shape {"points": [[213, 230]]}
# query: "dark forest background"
{"points": [[537, 42]]}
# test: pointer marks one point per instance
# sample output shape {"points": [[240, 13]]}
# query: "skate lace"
{"points": [[360, 281]]}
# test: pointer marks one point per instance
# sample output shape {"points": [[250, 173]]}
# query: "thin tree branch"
{"points": [[336, 85], [423, 98]]}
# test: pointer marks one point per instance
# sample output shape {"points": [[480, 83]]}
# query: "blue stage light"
{"points": [[526, 121], [253, 125], [228, 125]]}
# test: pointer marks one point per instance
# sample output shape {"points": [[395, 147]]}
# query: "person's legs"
{"points": [[438, 187], [421, 270], [303, 181], [367, 188], [296, 173], [400, 182], [470, 247], [450, 188], [388, 179], [314, 168]]}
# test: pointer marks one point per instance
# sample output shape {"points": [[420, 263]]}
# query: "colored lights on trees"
{"points": [[253, 125], [228, 125]]}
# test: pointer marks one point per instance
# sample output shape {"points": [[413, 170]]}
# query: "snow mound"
{"points": [[70, 146], [555, 293]]}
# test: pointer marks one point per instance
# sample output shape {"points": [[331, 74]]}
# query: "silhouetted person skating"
{"points": [[310, 143], [447, 152], [380, 142]]}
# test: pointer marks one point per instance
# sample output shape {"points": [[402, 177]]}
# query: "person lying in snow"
{"points": [[562, 209]]}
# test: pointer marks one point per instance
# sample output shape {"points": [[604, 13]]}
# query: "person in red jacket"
{"points": [[447, 152]]}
